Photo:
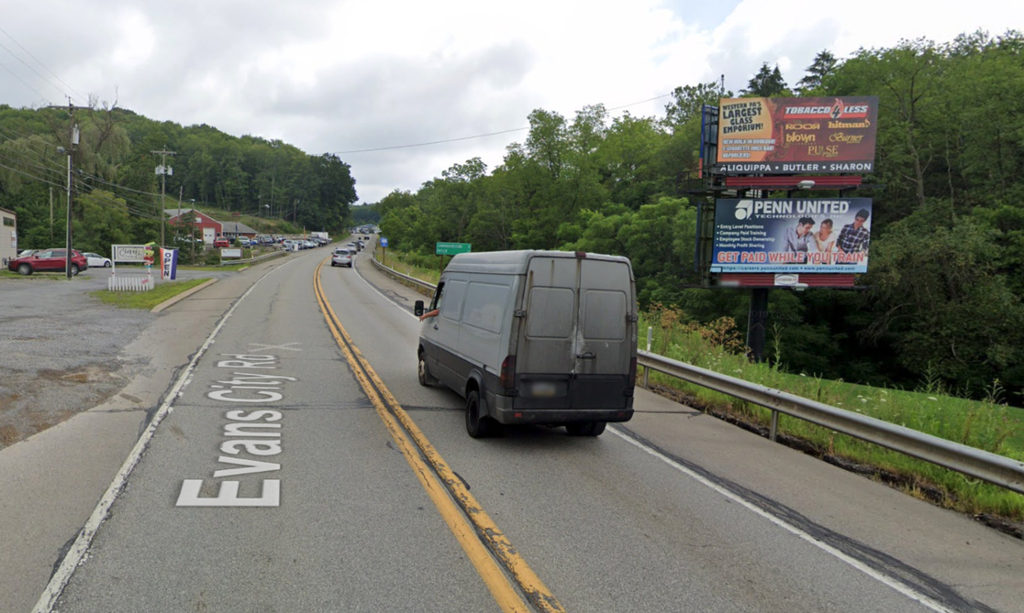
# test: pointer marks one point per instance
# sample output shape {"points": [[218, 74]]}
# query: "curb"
{"points": [[172, 301]]}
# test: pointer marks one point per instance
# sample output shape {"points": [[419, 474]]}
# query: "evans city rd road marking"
{"points": [[470, 537], [76, 554], [258, 433]]}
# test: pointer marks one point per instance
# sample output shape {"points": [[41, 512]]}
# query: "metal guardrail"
{"points": [[970, 461], [429, 287], [990, 467]]}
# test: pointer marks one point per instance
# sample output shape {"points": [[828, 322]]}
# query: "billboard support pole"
{"points": [[757, 323]]}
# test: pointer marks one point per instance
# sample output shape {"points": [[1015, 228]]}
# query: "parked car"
{"points": [[96, 260], [49, 260], [342, 257], [221, 242]]}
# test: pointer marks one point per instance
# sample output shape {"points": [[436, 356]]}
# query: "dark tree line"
{"points": [[116, 184], [943, 297]]}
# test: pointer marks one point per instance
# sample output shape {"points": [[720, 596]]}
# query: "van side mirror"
{"points": [[417, 308]]}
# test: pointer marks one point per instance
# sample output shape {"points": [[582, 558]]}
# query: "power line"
{"points": [[24, 83], [41, 64], [31, 176], [45, 80], [25, 143], [99, 180], [26, 163], [615, 108], [436, 142], [462, 138]]}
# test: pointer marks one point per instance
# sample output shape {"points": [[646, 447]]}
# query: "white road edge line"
{"points": [[76, 555], [390, 301], [895, 584]]}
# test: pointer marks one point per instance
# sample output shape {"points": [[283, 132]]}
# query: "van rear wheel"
{"points": [[586, 428], [478, 424]]}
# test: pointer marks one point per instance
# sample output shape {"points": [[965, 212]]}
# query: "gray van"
{"points": [[534, 337]]}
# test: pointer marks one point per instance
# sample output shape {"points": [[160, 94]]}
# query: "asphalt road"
{"points": [[673, 511]]}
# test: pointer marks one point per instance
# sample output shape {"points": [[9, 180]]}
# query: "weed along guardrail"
{"points": [[421, 286], [976, 463], [993, 468]]}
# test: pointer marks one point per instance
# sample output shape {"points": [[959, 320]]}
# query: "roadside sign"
{"points": [[383, 242], [452, 248], [128, 253]]}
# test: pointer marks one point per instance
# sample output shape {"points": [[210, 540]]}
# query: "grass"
{"points": [[986, 425], [409, 264], [147, 300], [229, 267], [52, 276]]}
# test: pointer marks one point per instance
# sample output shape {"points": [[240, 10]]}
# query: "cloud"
{"points": [[342, 75]]}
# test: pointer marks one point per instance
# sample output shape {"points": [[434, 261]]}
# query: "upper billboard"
{"points": [[797, 135]]}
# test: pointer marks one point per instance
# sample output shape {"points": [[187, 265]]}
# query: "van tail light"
{"points": [[632, 372], [508, 373]]}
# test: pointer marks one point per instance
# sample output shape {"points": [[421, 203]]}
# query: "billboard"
{"points": [[790, 236], [797, 135]]}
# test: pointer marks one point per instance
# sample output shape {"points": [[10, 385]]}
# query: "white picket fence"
{"points": [[129, 283]]}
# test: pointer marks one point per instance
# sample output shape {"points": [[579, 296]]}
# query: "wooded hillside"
{"points": [[942, 305]]}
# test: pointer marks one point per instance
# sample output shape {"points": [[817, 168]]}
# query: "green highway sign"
{"points": [[451, 248]]}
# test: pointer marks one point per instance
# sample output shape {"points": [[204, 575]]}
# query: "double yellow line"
{"points": [[478, 535]]}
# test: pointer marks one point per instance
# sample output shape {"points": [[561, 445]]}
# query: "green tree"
{"points": [[766, 83], [824, 65]]}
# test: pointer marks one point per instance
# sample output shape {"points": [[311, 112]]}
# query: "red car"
{"points": [[49, 260], [220, 242]]}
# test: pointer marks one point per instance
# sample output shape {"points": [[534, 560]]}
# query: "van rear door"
{"points": [[604, 336], [575, 345]]}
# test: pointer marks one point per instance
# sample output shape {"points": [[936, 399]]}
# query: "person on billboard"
{"points": [[798, 239], [854, 237], [823, 241]]}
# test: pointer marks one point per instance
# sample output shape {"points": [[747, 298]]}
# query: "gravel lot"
{"points": [[61, 349]]}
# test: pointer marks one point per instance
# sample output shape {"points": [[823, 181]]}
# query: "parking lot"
{"points": [[61, 349]]}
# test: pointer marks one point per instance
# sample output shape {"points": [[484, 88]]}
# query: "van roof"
{"points": [[514, 262]]}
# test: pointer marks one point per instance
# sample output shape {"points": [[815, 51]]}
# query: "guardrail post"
{"points": [[774, 432], [647, 371]]}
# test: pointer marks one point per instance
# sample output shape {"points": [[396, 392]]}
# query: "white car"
{"points": [[342, 257], [96, 260]]}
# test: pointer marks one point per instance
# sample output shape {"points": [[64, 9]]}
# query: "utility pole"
{"points": [[51, 214], [163, 171], [72, 142]]}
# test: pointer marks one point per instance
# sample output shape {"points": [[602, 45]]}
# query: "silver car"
{"points": [[342, 257]]}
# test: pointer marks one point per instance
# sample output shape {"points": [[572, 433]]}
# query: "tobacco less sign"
{"points": [[797, 135]]}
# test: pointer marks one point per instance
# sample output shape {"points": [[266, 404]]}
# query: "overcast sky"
{"points": [[342, 76]]}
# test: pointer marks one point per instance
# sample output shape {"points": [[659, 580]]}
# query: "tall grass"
{"points": [[423, 267], [988, 425]]}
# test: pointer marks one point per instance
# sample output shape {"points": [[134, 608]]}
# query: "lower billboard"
{"points": [[801, 235]]}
